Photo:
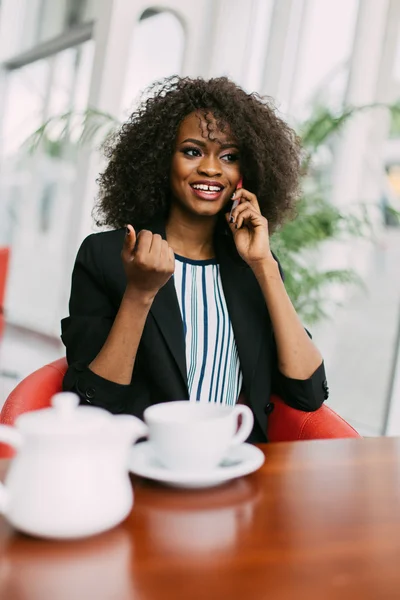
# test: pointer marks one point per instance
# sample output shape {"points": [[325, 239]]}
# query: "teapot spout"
{"points": [[129, 428]]}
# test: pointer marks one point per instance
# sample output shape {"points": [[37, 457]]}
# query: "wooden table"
{"points": [[320, 520]]}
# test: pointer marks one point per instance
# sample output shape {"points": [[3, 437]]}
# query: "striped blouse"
{"points": [[212, 359]]}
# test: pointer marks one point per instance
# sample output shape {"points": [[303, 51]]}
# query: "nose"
{"points": [[210, 166]]}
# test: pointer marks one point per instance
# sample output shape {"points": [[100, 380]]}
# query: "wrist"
{"points": [[137, 296], [265, 269]]}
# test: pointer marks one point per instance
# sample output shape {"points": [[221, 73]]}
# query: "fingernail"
{"points": [[232, 219], [236, 226], [127, 232]]}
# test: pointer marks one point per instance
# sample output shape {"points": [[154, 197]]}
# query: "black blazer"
{"points": [[159, 375]]}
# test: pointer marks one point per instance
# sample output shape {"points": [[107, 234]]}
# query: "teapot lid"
{"points": [[64, 417]]}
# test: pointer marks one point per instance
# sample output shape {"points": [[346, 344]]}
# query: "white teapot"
{"points": [[70, 476]]}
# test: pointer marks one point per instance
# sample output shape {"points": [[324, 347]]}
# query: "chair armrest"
{"points": [[32, 393], [286, 424]]}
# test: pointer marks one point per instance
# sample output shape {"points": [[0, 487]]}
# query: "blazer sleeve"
{"points": [[303, 394], [84, 332]]}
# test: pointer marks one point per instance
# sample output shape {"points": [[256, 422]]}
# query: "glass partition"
{"points": [[37, 187]]}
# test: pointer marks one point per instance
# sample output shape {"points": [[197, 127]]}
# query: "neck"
{"points": [[189, 236]]}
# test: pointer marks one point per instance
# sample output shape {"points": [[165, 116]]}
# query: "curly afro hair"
{"points": [[134, 187]]}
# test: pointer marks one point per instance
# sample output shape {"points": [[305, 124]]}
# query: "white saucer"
{"points": [[240, 460]]}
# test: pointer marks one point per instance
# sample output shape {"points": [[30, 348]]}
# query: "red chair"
{"points": [[285, 424], [4, 260]]}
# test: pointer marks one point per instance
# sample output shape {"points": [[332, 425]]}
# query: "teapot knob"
{"points": [[65, 403]]}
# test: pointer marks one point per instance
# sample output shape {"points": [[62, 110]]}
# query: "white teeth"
{"points": [[206, 188]]}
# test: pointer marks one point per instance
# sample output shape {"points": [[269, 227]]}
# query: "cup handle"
{"points": [[246, 425], [11, 437]]}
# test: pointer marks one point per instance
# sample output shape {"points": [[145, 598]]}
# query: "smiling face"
{"points": [[204, 172]]}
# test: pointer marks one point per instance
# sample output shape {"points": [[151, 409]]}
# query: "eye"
{"points": [[230, 157], [193, 152]]}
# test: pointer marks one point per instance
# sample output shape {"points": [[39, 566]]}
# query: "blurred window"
{"points": [[156, 51], [54, 17], [324, 54], [42, 176], [37, 187], [323, 66]]}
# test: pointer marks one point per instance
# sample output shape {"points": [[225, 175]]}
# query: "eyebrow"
{"points": [[204, 145]]}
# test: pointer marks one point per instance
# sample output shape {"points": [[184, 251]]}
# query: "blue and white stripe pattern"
{"points": [[212, 359]]}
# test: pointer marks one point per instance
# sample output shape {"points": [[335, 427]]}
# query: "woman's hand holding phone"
{"points": [[249, 229]]}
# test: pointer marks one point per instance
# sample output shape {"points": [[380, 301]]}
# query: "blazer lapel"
{"points": [[166, 312], [246, 310]]}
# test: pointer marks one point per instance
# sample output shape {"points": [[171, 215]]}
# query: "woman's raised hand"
{"points": [[250, 230], [148, 262]]}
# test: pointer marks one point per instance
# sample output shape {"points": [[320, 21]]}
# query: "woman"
{"points": [[183, 299]]}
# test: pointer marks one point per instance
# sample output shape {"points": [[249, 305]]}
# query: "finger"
{"points": [[247, 216], [245, 195], [143, 244], [245, 205], [129, 241], [167, 258], [165, 255], [231, 223], [155, 248], [171, 256], [234, 205]]}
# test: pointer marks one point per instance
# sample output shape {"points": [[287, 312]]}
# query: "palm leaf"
{"points": [[90, 126]]}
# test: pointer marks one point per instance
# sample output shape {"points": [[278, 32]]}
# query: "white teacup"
{"points": [[189, 436]]}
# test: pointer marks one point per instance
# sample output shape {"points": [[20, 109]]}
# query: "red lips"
{"points": [[206, 193]]}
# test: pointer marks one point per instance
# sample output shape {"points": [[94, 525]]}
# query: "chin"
{"points": [[208, 213], [209, 209]]}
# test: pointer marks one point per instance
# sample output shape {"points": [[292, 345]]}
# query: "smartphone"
{"points": [[236, 202]]}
